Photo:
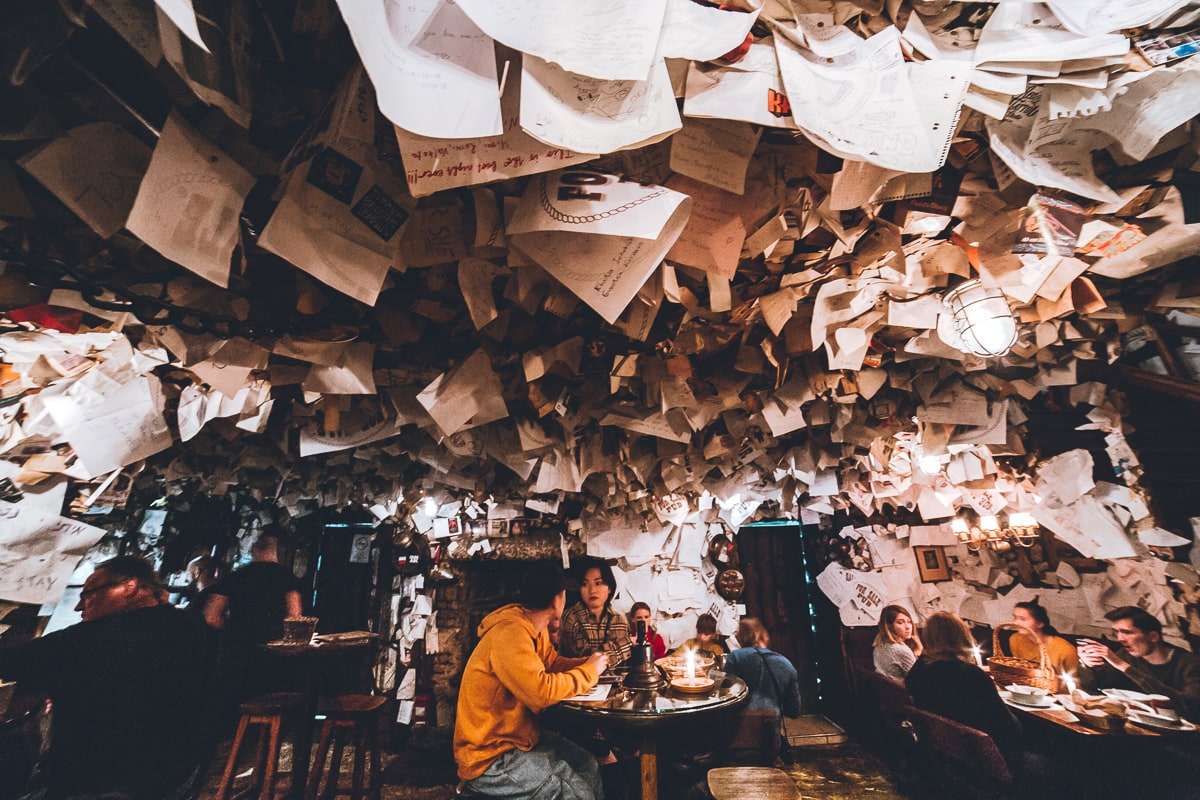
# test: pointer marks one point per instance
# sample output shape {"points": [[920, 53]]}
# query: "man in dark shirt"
{"points": [[250, 605], [127, 686], [1145, 664]]}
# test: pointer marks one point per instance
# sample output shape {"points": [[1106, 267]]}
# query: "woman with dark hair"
{"points": [[640, 612], [1034, 629], [945, 682], [590, 625], [897, 644]]}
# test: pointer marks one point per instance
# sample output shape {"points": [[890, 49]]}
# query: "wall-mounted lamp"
{"points": [[1022, 530], [978, 320]]}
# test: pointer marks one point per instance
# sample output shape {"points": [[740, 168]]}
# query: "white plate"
{"points": [[1160, 723], [1128, 694], [1042, 706]]}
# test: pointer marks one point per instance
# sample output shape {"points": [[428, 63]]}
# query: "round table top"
{"points": [[322, 643], [648, 707]]}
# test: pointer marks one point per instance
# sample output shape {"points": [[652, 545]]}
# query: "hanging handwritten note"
{"points": [[38, 552]]}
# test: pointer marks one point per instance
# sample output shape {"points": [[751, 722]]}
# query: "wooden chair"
{"points": [[960, 751], [269, 711], [751, 783]]}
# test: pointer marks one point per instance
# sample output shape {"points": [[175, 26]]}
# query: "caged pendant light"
{"points": [[978, 321]]}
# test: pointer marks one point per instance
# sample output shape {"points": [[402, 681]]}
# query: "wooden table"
{"points": [[307, 660], [649, 712], [1060, 717]]}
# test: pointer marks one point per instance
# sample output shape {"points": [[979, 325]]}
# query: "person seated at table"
{"points": [[513, 674], [127, 686], [1145, 663], [591, 624], [897, 644], [706, 639], [945, 682], [640, 612], [1033, 631], [772, 679]]}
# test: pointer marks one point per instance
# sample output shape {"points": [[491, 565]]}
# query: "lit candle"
{"points": [[1069, 681], [978, 656], [691, 667]]}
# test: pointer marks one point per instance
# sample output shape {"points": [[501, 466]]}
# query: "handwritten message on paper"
{"points": [[595, 115], [431, 165], [871, 105], [95, 171], [434, 71], [38, 553], [716, 151], [188, 204], [127, 427], [598, 235]]}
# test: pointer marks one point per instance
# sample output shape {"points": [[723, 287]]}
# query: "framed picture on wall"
{"points": [[931, 563]]}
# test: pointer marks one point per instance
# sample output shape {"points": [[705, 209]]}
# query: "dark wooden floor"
{"points": [[422, 768]]}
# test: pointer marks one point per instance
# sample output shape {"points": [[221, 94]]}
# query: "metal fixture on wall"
{"points": [[1022, 529]]}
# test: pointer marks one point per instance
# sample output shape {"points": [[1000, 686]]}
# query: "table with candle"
{"points": [[684, 701]]}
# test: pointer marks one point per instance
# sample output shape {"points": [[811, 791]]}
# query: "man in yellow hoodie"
{"points": [[513, 674]]}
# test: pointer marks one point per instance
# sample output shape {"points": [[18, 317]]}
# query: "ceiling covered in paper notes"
{"points": [[647, 260]]}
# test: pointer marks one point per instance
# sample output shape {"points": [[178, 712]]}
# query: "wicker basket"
{"points": [[1022, 671]]}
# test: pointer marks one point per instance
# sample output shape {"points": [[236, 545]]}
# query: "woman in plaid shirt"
{"points": [[591, 625]]}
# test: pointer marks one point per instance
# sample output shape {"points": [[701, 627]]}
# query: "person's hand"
{"points": [[599, 661], [1093, 654]]}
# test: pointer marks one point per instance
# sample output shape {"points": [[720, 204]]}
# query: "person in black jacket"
{"points": [[128, 688], [945, 682]]}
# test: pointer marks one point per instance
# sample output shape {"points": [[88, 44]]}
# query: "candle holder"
{"points": [[698, 685]]}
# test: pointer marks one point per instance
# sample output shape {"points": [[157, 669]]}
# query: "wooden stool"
{"points": [[268, 710], [751, 783], [345, 714]]}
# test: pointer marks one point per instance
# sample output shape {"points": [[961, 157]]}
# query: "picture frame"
{"points": [[932, 565]]}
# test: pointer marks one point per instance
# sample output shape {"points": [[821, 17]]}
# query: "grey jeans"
{"points": [[557, 769]]}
